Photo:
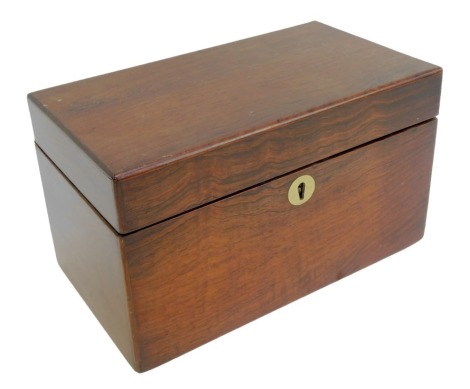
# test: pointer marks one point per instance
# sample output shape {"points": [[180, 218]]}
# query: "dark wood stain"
{"points": [[166, 184], [174, 134], [188, 183], [89, 253], [164, 290], [198, 276]]}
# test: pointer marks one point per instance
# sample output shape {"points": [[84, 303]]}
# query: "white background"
{"points": [[402, 323]]}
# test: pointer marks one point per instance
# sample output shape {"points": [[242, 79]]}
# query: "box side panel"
{"points": [[185, 184], [89, 253], [207, 272], [96, 185]]}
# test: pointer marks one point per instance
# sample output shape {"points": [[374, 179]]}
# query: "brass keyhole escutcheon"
{"points": [[301, 190]]}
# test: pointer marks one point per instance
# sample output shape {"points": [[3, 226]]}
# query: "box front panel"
{"points": [[149, 198], [209, 271]]}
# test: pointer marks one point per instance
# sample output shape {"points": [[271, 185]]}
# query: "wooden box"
{"points": [[192, 195]]}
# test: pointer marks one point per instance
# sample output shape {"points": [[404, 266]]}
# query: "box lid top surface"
{"points": [[142, 118]]}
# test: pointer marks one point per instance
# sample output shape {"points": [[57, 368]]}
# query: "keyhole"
{"points": [[301, 189]]}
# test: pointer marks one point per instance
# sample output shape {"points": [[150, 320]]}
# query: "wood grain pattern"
{"points": [[174, 286], [175, 134], [89, 252], [207, 272], [167, 183], [186, 184]]}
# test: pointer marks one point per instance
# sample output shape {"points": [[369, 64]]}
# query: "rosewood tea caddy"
{"points": [[190, 196]]}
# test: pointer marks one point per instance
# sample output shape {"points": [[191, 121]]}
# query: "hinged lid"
{"points": [[147, 143]]}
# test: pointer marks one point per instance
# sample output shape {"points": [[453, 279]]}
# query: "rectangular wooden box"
{"points": [[192, 195]]}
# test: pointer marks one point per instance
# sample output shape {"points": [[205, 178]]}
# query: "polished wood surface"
{"points": [[89, 252], [175, 134], [200, 275], [186, 184], [166, 184], [166, 289], [74, 163]]}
